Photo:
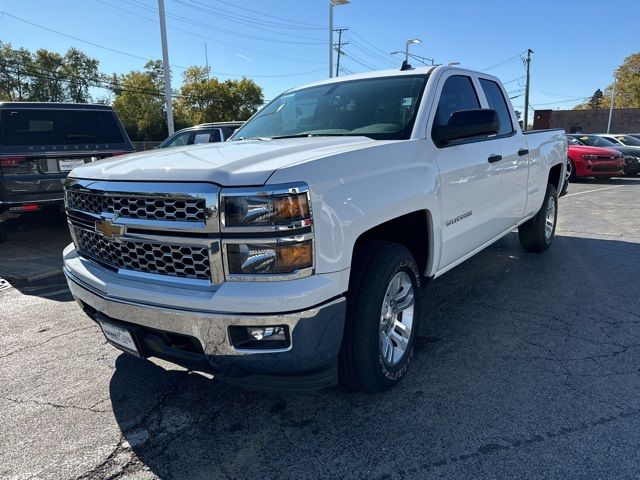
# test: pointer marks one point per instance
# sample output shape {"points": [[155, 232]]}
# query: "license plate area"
{"points": [[66, 165], [119, 336]]}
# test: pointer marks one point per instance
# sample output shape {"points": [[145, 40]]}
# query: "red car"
{"points": [[599, 162]]}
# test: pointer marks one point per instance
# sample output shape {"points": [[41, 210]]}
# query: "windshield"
{"points": [[628, 140], [595, 141], [573, 141], [379, 108]]}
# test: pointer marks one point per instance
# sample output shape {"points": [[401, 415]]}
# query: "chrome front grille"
{"points": [[160, 232], [139, 206], [142, 256]]}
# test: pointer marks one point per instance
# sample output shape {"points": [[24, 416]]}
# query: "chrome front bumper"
{"points": [[316, 333]]}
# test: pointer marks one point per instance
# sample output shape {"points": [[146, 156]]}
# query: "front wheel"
{"points": [[537, 234], [383, 313]]}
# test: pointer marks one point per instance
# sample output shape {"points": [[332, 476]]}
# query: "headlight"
{"points": [[269, 208], [267, 233], [263, 258]]}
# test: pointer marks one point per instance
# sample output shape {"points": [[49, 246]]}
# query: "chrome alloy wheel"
{"points": [[396, 318], [569, 169], [550, 219]]}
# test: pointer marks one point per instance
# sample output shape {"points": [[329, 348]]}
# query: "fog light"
{"points": [[259, 338]]}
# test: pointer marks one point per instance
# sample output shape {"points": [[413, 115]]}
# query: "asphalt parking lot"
{"points": [[528, 366]]}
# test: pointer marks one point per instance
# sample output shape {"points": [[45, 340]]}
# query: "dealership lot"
{"points": [[526, 367]]}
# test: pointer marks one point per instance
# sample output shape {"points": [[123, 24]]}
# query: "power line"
{"points": [[240, 19], [189, 21], [215, 40], [504, 62], [79, 39], [243, 8], [561, 101]]}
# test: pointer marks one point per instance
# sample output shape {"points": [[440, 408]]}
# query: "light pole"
{"points": [[613, 99], [165, 67], [417, 57], [333, 3], [413, 41]]}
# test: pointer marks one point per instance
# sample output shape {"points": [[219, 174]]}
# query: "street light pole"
{"points": [[613, 99], [333, 3], [406, 47], [165, 67]]}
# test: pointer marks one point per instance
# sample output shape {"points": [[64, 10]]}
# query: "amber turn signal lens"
{"points": [[293, 257], [291, 207]]}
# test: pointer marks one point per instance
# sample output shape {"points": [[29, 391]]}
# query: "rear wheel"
{"points": [[571, 170], [536, 234], [383, 313]]}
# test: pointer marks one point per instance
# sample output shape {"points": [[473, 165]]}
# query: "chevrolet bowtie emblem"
{"points": [[108, 229]]}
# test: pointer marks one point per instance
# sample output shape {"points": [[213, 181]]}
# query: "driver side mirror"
{"points": [[467, 124]]}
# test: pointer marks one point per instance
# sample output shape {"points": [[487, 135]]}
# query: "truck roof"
{"points": [[424, 70], [55, 105]]}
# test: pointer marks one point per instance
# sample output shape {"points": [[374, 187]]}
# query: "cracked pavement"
{"points": [[527, 366]]}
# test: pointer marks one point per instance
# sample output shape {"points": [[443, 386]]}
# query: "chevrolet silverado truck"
{"points": [[295, 255]]}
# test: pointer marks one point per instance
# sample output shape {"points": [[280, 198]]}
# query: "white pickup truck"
{"points": [[295, 255]]}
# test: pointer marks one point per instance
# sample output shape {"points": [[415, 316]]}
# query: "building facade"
{"points": [[623, 120]]}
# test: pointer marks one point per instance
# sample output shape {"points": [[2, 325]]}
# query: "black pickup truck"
{"points": [[40, 143]]}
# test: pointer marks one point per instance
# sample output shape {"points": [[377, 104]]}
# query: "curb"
{"points": [[17, 280]]}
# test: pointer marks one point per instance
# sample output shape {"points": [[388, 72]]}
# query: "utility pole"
{"points": [[333, 3], [165, 67], [206, 59], [339, 48], [526, 92], [613, 99]]}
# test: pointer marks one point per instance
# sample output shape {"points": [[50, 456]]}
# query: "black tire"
{"points": [[532, 233], [572, 170], [362, 366]]}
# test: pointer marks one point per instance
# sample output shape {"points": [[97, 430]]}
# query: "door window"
{"points": [[497, 102], [179, 140], [457, 94]]}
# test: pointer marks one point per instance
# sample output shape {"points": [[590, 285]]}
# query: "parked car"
{"points": [[296, 255], [40, 143], [631, 154], [203, 133], [625, 140], [598, 162]]}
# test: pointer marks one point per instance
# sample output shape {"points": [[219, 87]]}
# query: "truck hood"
{"points": [[247, 162]]}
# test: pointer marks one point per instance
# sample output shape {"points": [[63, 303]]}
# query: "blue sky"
{"points": [[283, 43]]}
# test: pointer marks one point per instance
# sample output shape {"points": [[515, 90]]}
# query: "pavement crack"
{"points": [[54, 405], [27, 347]]}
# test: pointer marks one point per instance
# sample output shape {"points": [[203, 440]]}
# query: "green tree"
{"points": [[14, 83], [80, 72], [627, 84], [203, 99], [596, 99], [47, 73], [139, 102]]}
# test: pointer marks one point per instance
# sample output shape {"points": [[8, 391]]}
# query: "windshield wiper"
{"points": [[308, 134]]}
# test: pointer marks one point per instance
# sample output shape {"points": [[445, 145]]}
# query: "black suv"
{"points": [[203, 133], [40, 143]]}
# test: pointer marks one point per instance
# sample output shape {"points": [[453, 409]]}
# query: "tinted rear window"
{"points": [[58, 127]]}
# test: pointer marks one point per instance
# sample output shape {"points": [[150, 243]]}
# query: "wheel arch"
{"points": [[413, 230]]}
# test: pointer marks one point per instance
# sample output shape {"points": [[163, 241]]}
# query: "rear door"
{"points": [[513, 169]]}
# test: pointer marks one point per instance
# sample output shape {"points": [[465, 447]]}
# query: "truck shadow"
{"points": [[517, 349]]}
